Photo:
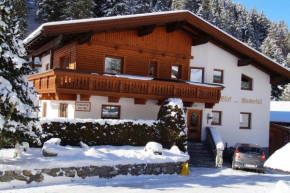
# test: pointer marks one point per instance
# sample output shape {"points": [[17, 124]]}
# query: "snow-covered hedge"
{"points": [[168, 129], [99, 132]]}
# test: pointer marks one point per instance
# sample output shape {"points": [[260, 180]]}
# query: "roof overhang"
{"points": [[201, 31]]}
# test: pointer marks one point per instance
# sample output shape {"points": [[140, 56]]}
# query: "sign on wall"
{"points": [[83, 106]]}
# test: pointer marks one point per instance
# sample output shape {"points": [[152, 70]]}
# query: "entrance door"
{"points": [[194, 119]]}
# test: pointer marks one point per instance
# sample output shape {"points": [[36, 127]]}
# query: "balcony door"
{"points": [[194, 123]]}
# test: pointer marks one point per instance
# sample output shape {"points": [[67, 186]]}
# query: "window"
{"points": [[62, 110], [245, 120], [246, 83], [113, 65], [196, 74], [153, 69], [216, 117], [64, 62], [111, 112], [44, 104], [218, 76], [176, 71]]}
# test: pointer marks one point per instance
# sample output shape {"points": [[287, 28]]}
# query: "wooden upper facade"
{"points": [[80, 69], [148, 45]]}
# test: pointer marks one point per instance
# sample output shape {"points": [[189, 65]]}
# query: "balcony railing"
{"points": [[77, 82]]}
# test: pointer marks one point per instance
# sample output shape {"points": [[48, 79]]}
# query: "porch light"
{"points": [[209, 117], [185, 110]]}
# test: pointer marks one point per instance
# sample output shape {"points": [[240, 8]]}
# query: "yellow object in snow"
{"points": [[185, 169]]}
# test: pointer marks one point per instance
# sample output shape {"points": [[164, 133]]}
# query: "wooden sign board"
{"points": [[83, 106]]}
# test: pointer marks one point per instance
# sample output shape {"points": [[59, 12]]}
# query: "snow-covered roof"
{"points": [[110, 23], [280, 111], [76, 21]]}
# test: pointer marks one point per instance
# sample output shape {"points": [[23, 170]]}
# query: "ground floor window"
{"points": [[63, 110], [245, 120], [111, 112], [216, 117]]}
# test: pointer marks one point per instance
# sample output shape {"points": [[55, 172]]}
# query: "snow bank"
{"points": [[78, 157], [280, 160], [100, 121], [282, 187], [153, 148], [217, 138]]}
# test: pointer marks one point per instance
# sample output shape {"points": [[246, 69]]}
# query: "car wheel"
{"points": [[233, 166]]}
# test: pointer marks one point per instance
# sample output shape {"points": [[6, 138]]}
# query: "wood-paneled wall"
{"points": [[71, 50], [175, 42], [279, 136], [91, 58], [165, 48]]}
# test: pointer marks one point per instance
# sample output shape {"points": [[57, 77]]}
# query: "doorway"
{"points": [[194, 122]]}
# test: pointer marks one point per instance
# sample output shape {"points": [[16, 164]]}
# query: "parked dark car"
{"points": [[248, 156]]}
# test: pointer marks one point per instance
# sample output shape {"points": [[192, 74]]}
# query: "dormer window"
{"points": [[113, 65], [246, 83]]}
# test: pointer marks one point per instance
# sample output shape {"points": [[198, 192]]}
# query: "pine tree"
{"points": [[50, 10], [79, 9], [260, 26], [18, 97], [21, 13], [99, 8], [286, 94], [192, 5]]}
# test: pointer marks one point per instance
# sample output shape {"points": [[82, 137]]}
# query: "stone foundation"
{"points": [[89, 171]]}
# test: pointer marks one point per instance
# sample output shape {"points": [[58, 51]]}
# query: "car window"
{"points": [[250, 150]]}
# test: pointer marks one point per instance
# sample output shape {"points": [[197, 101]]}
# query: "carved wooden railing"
{"points": [[216, 145], [57, 79]]}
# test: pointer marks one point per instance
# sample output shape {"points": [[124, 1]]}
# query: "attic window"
{"points": [[246, 83]]}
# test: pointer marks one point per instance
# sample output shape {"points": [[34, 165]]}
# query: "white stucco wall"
{"points": [[128, 109], [212, 57], [52, 108], [44, 60]]}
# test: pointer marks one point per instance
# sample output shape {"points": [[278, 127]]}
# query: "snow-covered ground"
{"points": [[76, 157], [280, 160], [200, 180]]}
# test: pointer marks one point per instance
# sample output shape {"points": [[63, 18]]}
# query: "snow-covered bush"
{"points": [[175, 149], [153, 147], [49, 148], [172, 124]]}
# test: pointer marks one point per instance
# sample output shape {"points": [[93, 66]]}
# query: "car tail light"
{"points": [[238, 154], [263, 157]]}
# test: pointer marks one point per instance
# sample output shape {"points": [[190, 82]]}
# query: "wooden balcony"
{"points": [[60, 84]]}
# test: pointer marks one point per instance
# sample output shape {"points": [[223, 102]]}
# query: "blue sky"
{"points": [[274, 10]]}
